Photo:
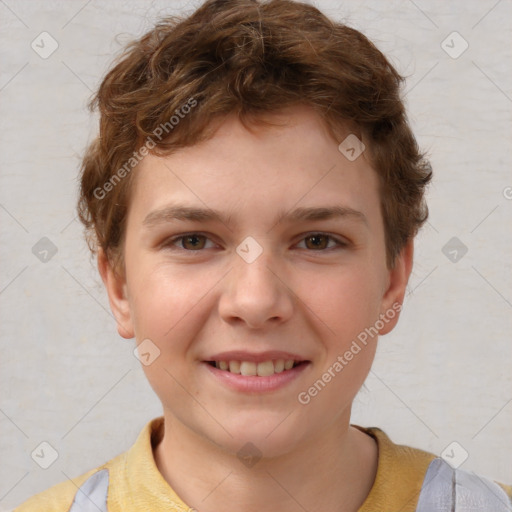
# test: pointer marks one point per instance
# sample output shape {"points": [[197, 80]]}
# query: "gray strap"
{"points": [[477, 493], [437, 489], [92, 494], [446, 489]]}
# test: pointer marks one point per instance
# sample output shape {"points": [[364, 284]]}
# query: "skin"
{"points": [[294, 297]]}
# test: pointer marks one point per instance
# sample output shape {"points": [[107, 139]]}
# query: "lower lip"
{"points": [[255, 384]]}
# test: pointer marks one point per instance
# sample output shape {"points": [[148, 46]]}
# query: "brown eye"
{"points": [[317, 241], [189, 242], [322, 242], [193, 242]]}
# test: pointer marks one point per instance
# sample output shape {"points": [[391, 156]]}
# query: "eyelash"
{"points": [[169, 244]]}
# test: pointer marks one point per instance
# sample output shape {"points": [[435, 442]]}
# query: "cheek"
{"points": [[166, 305], [168, 309], [347, 305], [346, 301]]}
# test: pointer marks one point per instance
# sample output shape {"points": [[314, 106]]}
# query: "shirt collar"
{"points": [[400, 471]]}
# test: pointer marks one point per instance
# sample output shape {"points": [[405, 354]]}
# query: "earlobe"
{"points": [[115, 285], [394, 295]]}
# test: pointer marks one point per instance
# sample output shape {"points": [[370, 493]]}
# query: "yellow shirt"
{"points": [[133, 482]]}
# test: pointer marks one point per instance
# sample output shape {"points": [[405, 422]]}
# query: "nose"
{"points": [[256, 293]]}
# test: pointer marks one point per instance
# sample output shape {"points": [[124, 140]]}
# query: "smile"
{"points": [[255, 377], [251, 368]]}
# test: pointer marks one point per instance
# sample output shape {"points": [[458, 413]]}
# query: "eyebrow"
{"points": [[194, 214]]}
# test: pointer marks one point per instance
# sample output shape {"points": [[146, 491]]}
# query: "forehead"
{"points": [[264, 168]]}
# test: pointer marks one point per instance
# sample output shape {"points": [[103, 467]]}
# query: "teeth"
{"points": [[288, 364], [250, 368], [234, 366], [265, 369], [279, 366]]}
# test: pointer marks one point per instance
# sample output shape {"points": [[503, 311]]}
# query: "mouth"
{"points": [[259, 369]]}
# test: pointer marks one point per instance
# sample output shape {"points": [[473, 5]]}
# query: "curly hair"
{"points": [[249, 58]]}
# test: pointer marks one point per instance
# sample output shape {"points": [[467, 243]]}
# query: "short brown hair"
{"points": [[250, 58]]}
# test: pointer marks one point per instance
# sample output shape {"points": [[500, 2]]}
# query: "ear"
{"points": [[397, 283], [115, 285]]}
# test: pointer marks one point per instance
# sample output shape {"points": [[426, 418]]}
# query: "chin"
{"points": [[267, 437]]}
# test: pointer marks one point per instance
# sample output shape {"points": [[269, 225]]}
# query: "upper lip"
{"points": [[259, 357]]}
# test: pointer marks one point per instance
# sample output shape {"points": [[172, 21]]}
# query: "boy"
{"points": [[231, 144]]}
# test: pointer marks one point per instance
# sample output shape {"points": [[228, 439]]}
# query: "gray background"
{"points": [[67, 378]]}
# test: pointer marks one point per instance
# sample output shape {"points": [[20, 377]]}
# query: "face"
{"points": [[248, 252]]}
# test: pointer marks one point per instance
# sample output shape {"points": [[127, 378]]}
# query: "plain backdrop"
{"points": [[68, 379]]}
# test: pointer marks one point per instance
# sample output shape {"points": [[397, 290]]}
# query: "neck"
{"points": [[332, 472]]}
